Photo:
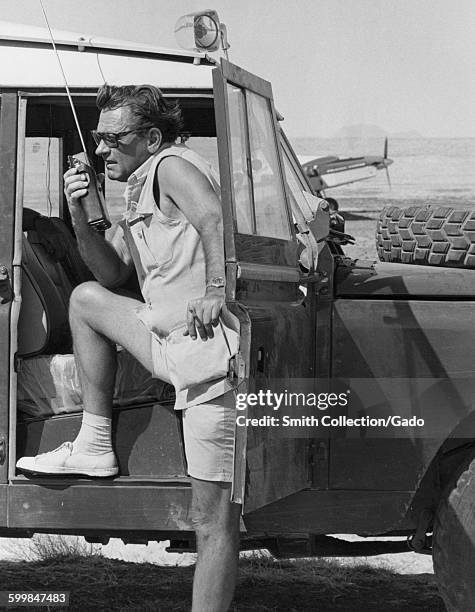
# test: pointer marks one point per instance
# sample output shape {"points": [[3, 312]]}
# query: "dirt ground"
{"points": [[145, 579]]}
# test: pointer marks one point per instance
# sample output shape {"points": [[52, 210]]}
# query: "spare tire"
{"points": [[436, 236]]}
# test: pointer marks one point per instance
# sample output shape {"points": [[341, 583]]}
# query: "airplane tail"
{"points": [[386, 166]]}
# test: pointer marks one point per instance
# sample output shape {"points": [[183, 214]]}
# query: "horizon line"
{"points": [[389, 136]]}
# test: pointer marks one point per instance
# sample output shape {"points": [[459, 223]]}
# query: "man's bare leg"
{"points": [[100, 319], [216, 522]]}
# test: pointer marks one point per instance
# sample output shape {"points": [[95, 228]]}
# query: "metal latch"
{"points": [[237, 367]]}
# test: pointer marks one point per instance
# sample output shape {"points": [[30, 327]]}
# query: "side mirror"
{"points": [[317, 222]]}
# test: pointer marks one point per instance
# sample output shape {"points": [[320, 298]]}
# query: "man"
{"points": [[172, 233]]}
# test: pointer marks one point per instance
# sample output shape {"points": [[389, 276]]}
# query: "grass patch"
{"points": [[97, 583], [324, 585], [42, 547]]}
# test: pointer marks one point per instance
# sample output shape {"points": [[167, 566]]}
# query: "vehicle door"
{"points": [[264, 290]]}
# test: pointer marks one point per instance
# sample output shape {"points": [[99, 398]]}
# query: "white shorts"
{"points": [[197, 369], [208, 431]]}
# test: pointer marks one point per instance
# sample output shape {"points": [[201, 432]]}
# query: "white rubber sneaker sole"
{"points": [[28, 464]]}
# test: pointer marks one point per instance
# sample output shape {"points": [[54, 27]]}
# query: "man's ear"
{"points": [[155, 139]]}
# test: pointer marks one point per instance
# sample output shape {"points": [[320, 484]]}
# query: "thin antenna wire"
{"points": [[100, 68], [65, 80]]}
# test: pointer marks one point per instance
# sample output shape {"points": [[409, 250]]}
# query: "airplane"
{"points": [[331, 171]]}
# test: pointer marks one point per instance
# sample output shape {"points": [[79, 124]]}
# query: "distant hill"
{"points": [[372, 131]]}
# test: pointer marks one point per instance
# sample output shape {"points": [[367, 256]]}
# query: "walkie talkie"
{"points": [[93, 202]]}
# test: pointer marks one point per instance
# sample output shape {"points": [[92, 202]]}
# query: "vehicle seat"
{"points": [[47, 376], [43, 323], [51, 268]]}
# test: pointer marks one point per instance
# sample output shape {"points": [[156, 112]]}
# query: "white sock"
{"points": [[95, 435]]}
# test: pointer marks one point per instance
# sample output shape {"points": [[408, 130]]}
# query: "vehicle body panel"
{"points": [[401, 357], [49, 506], [378, 279], [136, 431], [322, 512]]}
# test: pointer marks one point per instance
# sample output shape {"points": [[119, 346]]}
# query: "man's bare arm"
{"points": [[99, 255], [191, 192]]}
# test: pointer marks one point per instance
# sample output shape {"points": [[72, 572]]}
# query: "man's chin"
{"points": [[114, 174]]}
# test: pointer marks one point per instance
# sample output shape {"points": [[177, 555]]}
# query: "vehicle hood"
{"points": [[361, 278]]}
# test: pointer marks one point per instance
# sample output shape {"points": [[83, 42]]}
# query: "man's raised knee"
{"points": [[86, 296]]}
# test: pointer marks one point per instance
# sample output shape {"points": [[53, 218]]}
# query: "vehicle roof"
{"points": [[28, 60]]}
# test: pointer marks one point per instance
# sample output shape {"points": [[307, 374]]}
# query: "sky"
{"points": [[402, 65]]}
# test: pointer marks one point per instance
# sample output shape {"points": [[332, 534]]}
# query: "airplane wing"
{"points": [[328, 172]]}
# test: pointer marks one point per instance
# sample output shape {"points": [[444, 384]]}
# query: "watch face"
{"points": [[216, 282]]}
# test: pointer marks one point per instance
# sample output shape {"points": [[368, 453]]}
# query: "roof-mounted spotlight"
{"points": [[201, 31]]}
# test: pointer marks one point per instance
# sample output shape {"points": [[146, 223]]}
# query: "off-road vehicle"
{"points": [[397, 340]]}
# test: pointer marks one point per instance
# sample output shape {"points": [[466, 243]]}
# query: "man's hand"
{"points": [[76, 186], [203, 314]]}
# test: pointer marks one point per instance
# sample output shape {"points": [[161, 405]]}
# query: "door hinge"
{"points": [[6, 292], [3, 450]]}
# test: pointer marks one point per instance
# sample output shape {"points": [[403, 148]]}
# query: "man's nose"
{"points": [[102, 149]]}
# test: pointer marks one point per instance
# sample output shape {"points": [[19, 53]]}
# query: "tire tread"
{"points": [[440, 236]]}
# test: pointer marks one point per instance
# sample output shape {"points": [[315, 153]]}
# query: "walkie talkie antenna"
{"points": [[65, 80]]}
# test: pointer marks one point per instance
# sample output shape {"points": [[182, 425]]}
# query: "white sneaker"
{"points": [[63, 460]]}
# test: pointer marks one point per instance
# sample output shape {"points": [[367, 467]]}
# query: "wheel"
{"points": [[454, 543], [427, 235]]}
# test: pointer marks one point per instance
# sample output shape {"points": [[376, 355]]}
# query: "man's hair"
{"points": [[147, 104]]}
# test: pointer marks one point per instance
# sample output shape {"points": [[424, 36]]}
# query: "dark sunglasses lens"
{"points": [[110, 140]]}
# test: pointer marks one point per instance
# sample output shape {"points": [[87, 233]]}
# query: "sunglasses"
{"points": [[111, 139]]}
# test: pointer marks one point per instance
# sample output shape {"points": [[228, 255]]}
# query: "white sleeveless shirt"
{"points": [[167, 253], [169, 259]]}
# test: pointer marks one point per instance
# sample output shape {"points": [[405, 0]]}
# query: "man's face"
{"points": [[132, 151]]}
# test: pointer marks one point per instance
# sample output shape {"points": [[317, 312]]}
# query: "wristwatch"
{"points": [[218, 282]]}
